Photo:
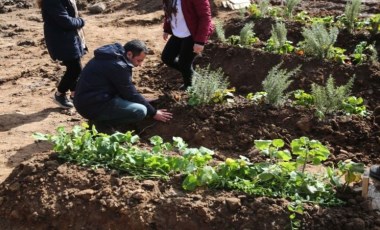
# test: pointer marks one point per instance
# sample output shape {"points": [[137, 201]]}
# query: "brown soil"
{"points": [[38, 191]]}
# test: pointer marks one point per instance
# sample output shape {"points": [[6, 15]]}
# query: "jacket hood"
{"points": [[112, 51]]}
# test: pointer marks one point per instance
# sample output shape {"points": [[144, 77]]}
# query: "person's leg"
{"points": [[186, 59], [119, 111], [171, 52], [68, 82], [70, 78]]}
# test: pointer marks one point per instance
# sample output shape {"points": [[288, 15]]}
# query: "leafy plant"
{"points": [[374, 22], [290, 6], [303, 98], [206, 84], [278, 42], [303, 17], [328, 99], [318, 40], [309, 151], [354, 105], [295, 207], [254, 11], [348, 169], [246, 37], [327, 21], [225, 95], [275, 11], [275, 84], [363, 53], [259, 10], [272, 148], [337, 54], [351, 13], [257, 98]]}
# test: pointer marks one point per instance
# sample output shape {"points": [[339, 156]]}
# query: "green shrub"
{"points": [[351, 13], [263, 6], [278, 42], [219, 30], [275, 84], [205, 85], [290, 6], [247, 36], [318, 40], [364, 52], [328, 99]]}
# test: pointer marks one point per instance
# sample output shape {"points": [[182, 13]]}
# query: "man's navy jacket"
{"points": [[106, 76]]}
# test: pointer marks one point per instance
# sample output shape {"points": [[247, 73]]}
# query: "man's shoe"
{"points": [[374, 172], [62, 101]]}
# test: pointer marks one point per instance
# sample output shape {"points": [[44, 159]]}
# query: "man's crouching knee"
{"points": [[140, 112]]}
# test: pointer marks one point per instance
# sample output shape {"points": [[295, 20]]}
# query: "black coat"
{"points": [[61, 30], [103, 78]]}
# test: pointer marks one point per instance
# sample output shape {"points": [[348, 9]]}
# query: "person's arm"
{"points": [[122, 80], [58, 12], [203, 13]]}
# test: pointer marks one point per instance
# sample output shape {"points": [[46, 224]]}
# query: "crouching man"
{"points": [[105, 93]]}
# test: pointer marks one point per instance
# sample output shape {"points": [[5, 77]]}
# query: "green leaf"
{"points": [[262, 144], [190, 182], [156, 140], [265, 176], [40, 136], [284, 155], [278, 143]]}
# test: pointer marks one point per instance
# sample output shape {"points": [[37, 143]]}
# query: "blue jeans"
{"points": [[120, 111]]}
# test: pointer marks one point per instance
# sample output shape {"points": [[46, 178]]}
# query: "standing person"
{"points": [[105, 93], [65, 42], [189, 23]]}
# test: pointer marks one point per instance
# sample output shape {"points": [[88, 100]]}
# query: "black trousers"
{"points": [[178, 54], [70, 77]]}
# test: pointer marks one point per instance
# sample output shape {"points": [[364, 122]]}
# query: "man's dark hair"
{"points": [[136, 47]]}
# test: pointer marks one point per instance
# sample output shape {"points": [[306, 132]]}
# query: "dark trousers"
{"points": [[70, 78], [178, 54]]}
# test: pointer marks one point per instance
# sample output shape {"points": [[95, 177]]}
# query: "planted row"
{"points": [[318, 42], [283, 174]]}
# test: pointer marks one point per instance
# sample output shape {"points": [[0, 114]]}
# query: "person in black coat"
{"points": [[65, 42], [105, 93]]}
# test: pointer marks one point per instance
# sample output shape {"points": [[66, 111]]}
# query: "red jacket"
{"points": [[197, 14]]}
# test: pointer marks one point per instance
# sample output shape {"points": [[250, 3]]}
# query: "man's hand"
{"points": [[163, 115]]}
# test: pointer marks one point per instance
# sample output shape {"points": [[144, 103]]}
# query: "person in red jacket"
{"points": [[189, 24]]}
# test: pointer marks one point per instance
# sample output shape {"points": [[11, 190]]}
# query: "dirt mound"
{"points": [[46, 194]]}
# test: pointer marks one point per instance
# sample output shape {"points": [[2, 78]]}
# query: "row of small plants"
{"points": [[318, 42], [283, 174], [349, 20], [209, 86]]}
